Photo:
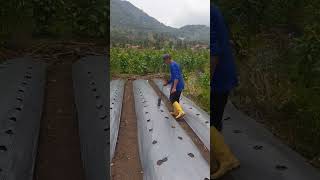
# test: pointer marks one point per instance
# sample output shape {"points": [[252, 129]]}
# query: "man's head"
{"points": [[166, 58]]}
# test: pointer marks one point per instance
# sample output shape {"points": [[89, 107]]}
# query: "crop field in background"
{"points": [[195, 65]]}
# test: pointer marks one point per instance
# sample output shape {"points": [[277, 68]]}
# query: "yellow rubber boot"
{"points": [[175, 112], [222, 154], [180, 112]]}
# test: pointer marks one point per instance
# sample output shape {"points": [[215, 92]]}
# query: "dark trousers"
{"points": [[218, 101], [175, 97]]}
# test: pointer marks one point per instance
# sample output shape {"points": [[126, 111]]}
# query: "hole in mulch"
{"points": [[97, 96], [237, 131], [19, 99], [257, 147], [162, 110], [148, 120], [21, 90], [154, 142], [111, 108], [13, 119], [161, 161], [106, 129], [281, 167], [103, 116], [207, 122], [99, 106], [3, 148], [146, 112], [190, 108], [150, 130], [24, 83], [166, 117], [173, 127], [18, 109], [9, 132], [191, 155], [94, 89], [227, 118], [112, 103], [180, 138], [92, 83], [27, 76], [206, 179], [89, 72]]}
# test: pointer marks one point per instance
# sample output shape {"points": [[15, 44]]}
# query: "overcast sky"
{"points": [[176, 13]]}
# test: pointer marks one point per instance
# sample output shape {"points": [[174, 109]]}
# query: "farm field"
{"points": [[41, 112], [149, 140], [136, 74], [195, 65]]}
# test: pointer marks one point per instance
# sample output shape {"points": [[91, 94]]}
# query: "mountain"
{"points": [[125, 15], [195, 32], [130, 21]]}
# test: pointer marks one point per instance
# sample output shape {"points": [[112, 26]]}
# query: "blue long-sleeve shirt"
{"points": [[225, 76], [176, 74]]}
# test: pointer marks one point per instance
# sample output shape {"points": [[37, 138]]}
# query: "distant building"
{"points": [[129, 46], [200, 46]]}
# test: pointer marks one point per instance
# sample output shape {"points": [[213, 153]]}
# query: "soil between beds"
{"points": [[126, 162], [59, 155]]}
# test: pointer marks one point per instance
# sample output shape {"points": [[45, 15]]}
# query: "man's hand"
{"points": [[215, 60], [213, 64], [173, 90], [165, 82], [174, 87]]}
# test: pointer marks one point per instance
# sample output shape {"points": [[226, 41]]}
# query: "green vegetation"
{"points": [[278, 55], [138, 42], [194, 64], [54, 18]]}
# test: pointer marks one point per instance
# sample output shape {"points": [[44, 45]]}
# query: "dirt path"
{"points": [[59, 145], [203, 150], [126, 163]]}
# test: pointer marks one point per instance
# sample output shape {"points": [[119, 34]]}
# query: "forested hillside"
{"points": [[277, 46], [131, 25]]}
